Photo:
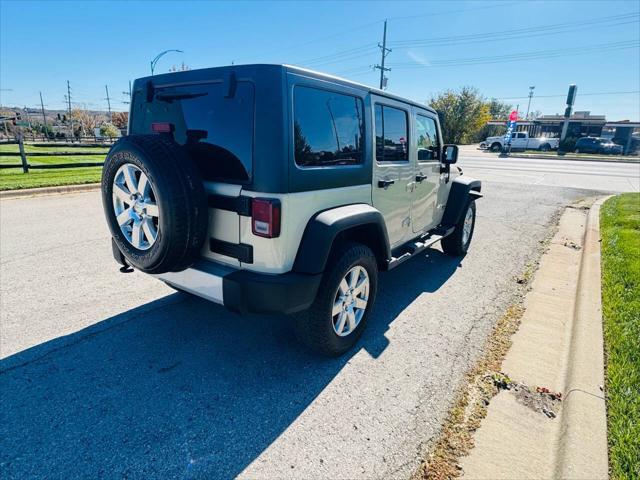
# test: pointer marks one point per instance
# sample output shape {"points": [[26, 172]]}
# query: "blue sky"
{"points": [[542, 43]]}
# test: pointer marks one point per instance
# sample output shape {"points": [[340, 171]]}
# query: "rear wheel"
{"points": [[458, 242], [337, 318], [545, 148]]}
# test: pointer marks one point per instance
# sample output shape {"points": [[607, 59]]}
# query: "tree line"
{"points": [[464, 115]]}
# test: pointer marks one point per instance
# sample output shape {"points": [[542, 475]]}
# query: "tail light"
{"points": [[265, 217], [162, 127]]}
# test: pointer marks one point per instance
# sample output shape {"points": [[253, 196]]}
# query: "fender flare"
{"points": [[461, 189], [322, 230]]}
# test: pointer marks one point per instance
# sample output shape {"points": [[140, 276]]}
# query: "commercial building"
{"points": [[582, 124]]}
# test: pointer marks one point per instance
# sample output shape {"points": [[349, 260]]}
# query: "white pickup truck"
{"points": [[521, 141]]}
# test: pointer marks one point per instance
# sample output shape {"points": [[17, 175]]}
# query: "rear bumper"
{"points": [[244, 291]]}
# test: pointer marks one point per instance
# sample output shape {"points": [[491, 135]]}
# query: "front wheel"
{"points": [[496, 147], [458, 242], [336, 319]]}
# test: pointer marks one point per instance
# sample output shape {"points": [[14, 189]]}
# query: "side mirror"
{"points": [[449, 154]]}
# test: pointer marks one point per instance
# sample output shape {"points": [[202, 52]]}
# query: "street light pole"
{"points": [[155, 60]]}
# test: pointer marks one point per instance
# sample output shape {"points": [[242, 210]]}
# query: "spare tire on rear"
{"points": [[155, 203]]}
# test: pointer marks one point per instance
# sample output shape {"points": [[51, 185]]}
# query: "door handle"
{"points": [[420, 177], [385, 183]]}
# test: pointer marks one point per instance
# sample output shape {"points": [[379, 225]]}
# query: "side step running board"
{"points": [[414, 247]]}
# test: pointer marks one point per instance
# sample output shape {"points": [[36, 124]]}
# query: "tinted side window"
{"points": [[328, 128], [391, 134], [521, 135], [427, 139]]}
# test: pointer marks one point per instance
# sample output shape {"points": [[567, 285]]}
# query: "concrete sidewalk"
{"points": [[558, 348]]}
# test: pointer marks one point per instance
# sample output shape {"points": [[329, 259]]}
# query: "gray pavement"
{"points": [[603, 176], [111, 375]]}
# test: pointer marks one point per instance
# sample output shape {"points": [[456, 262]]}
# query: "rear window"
{"points": [[212, 123]]}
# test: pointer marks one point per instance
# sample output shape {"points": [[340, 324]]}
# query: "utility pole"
{"points": [[385, 51], [69, 104], [108, 103], [69, 97], [531, 89], [26, 112], [44, 117], [128, 94]]}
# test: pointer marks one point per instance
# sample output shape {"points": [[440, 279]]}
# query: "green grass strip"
{"points": [[620, 232], [14, 179]]}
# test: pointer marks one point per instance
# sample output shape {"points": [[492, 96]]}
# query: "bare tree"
{"points": [[84, 119], [120, 119]]}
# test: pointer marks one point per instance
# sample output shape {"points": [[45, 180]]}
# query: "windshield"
{"points": [[212, 123]]}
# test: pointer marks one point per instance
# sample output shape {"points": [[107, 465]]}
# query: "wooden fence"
{"points": [[24, 156]]}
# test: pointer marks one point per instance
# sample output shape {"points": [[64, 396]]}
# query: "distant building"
{"points": [[581, 124]]}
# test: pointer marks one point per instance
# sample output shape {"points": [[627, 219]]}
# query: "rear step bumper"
{"points": [[247, 292]]}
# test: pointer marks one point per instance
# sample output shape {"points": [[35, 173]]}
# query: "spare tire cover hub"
{"points": [[135, 206]]}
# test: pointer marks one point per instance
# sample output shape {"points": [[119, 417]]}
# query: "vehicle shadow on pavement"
{"points": [[179, 387]]}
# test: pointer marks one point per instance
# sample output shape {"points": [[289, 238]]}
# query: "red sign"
{"points": [[513, 116]]}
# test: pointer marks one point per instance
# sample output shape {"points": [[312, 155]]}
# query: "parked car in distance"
{"points": [[521, 141], [273, 189], [597, 145]]}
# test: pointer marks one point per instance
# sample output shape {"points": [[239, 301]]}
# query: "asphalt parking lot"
{"points": [[110, 375]]}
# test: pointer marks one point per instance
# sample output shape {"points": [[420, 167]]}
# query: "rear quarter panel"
{"points": [[276, 255]]}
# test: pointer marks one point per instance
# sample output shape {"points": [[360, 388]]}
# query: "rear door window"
{"points": [[391, 134], [328, 128], [215, 127]]}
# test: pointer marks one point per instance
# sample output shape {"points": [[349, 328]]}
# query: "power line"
{"points": [[339, 56], [540, 30], [539, 54], [453, 12], [316, 40], [564, 95], [377, 22], [365, 50]]}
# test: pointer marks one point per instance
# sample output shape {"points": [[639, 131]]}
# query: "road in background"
{"points": [[604, 176], [112, 375]]}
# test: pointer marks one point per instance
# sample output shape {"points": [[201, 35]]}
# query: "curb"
{"points": [[575, 159], [630, 159], [558, 347], [583, 449], [32, 192]]}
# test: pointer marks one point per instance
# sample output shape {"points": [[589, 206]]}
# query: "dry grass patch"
{"points": [[456, 439]]}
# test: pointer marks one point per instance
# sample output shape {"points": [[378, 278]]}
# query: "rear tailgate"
{"points": [[214, 122]]}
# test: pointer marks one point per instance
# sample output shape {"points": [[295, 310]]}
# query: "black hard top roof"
{"points": [[291, 68], [344, 81]]}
